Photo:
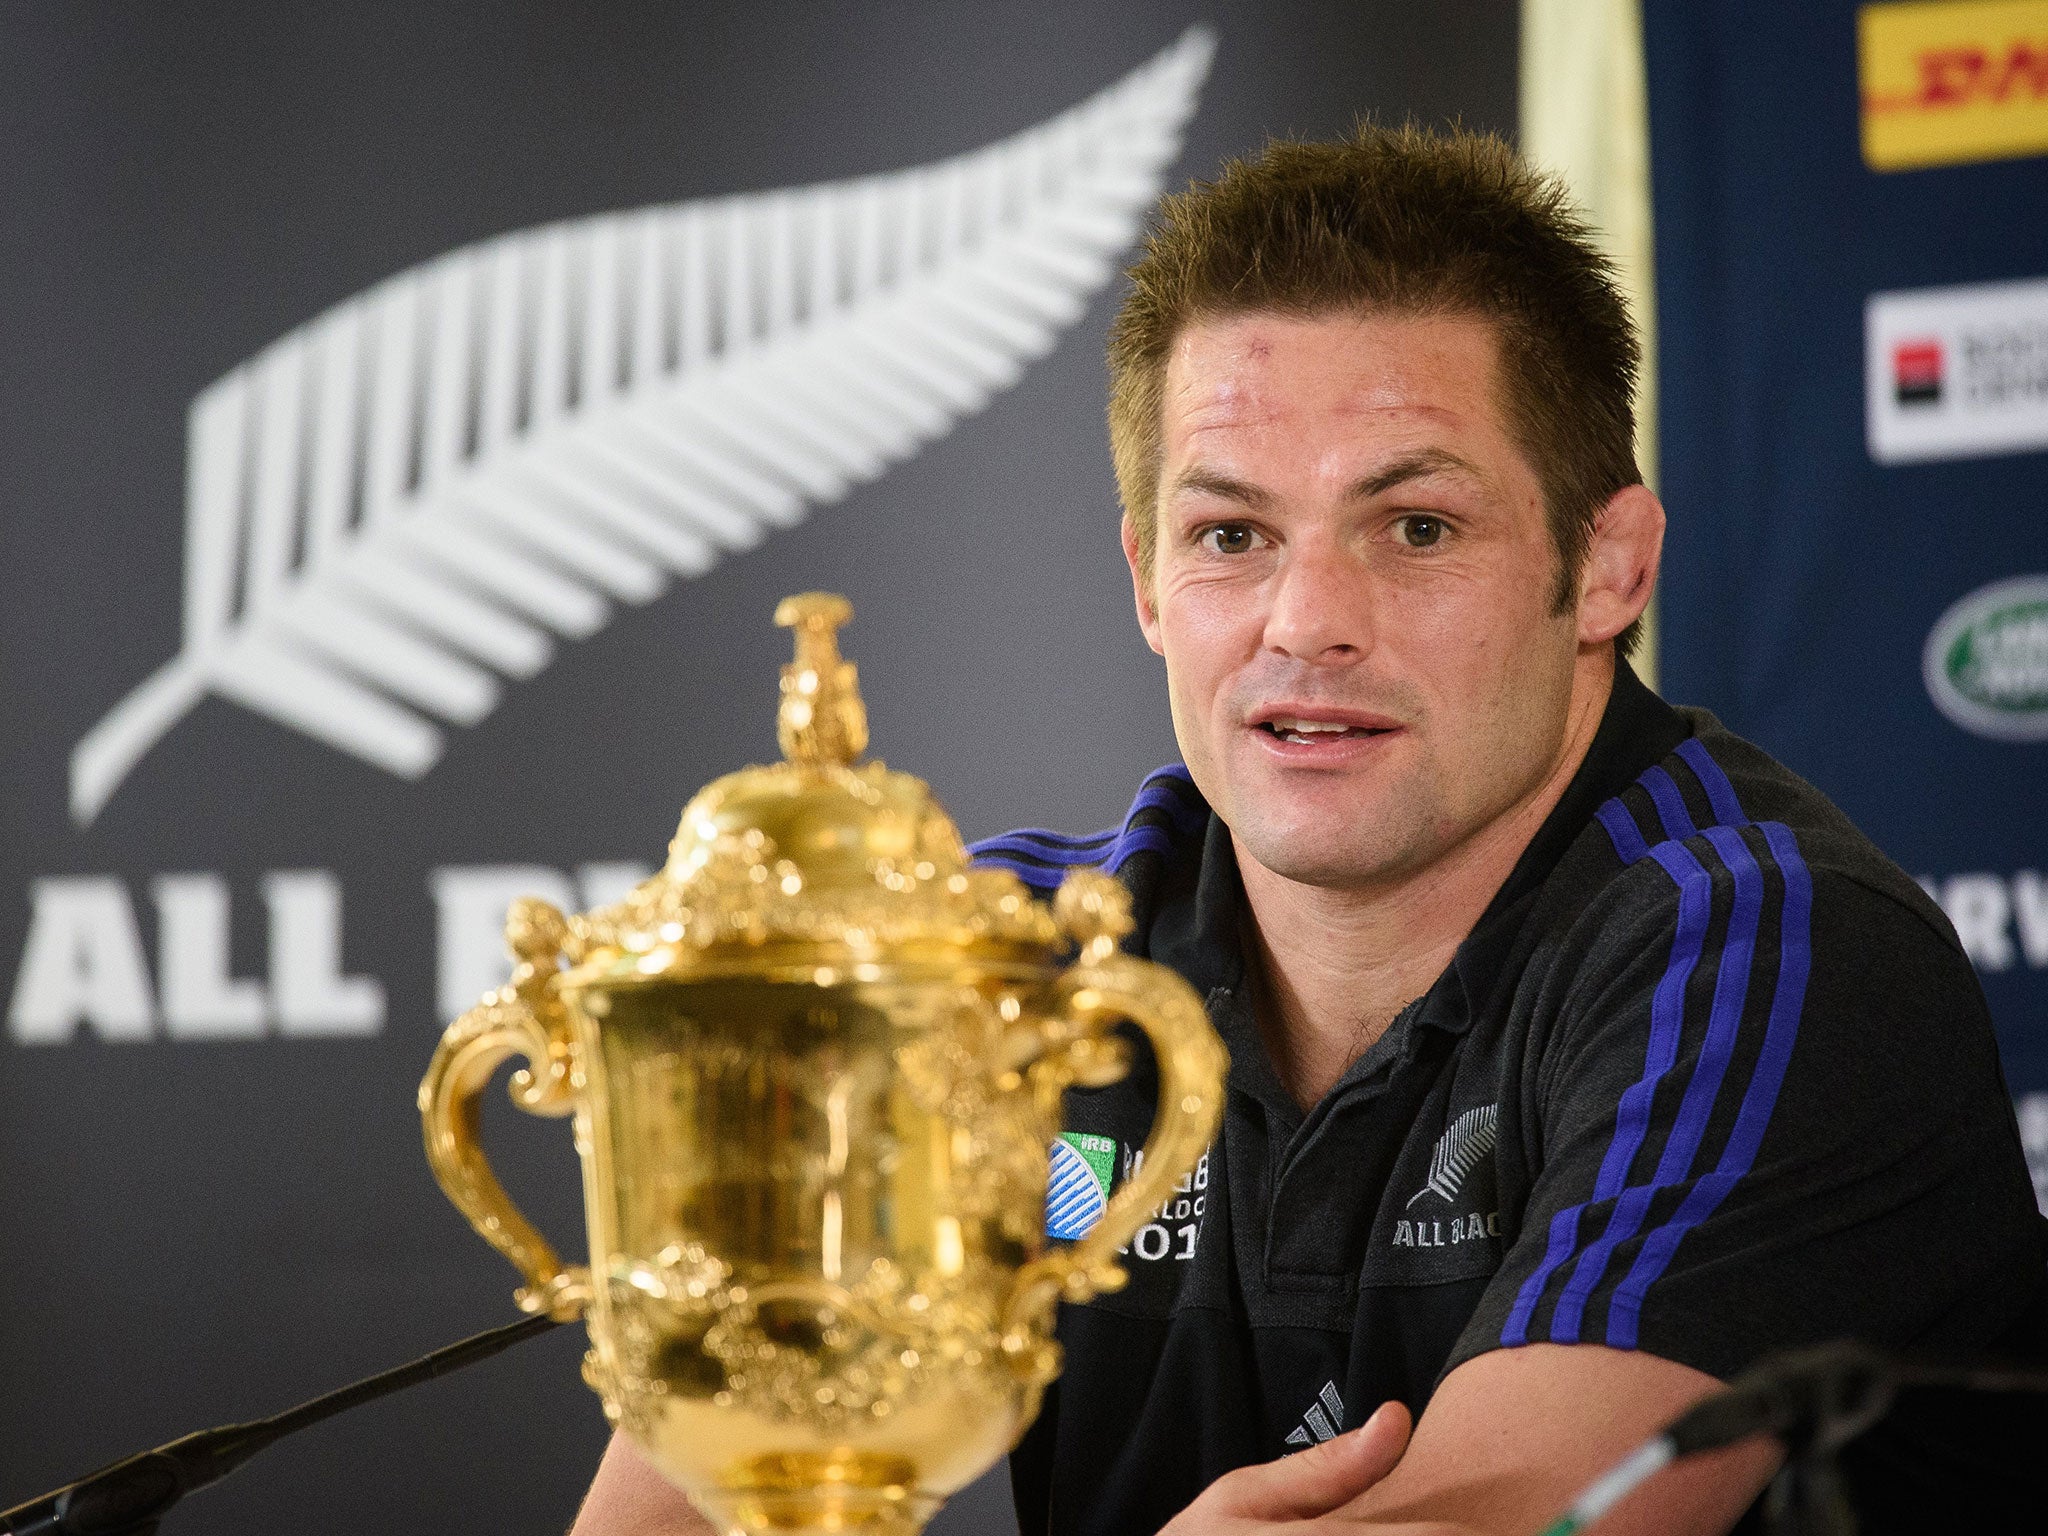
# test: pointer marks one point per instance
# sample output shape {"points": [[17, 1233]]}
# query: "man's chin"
{"points": [[1320, 827], [1309, 855]]}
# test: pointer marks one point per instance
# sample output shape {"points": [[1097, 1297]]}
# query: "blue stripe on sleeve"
{"points": [[1724, 1024], [1670, 805], [1622, 832], [1038, 837], [1138, 840], [1079, 851], [1667, 1014], [1720, 793], [1564, 1237], [1795, 965], [1731, 990], [1632, 1116], [1042, 859], [1172, 790]]}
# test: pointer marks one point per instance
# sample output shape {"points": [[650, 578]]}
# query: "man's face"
{"points": [[1352, 588]]}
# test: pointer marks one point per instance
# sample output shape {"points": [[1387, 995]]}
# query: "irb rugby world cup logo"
{"points": [[1078, 1176], [407, 502], [1986, 661]]}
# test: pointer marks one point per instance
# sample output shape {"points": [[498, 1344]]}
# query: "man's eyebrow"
{"points": [[1209, 483], [1410, 466], [1414, 466]]}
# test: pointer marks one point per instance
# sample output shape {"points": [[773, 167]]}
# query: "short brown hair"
{"points": [[1413, 222]]}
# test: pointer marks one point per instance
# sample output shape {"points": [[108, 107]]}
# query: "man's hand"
{"points": [[1301, 1487]]}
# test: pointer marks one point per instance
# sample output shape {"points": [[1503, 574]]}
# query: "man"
{"points": [[1581, 1054]]}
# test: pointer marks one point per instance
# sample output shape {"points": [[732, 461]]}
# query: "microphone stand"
{"points": [[130, 1497], [1813, 1402]]}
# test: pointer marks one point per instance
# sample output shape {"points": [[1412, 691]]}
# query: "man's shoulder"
{"points": [[1750, 1093], [1719, 883], [1163, 829], [1719, 816]]}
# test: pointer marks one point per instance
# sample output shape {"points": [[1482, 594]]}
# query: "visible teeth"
{"points": [[1309, 727]]}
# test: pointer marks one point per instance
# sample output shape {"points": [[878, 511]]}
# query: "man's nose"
{"points": [[1321, 607]]}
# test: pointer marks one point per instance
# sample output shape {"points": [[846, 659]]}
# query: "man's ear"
{"points": [[1621, 564], [1141, 589]]}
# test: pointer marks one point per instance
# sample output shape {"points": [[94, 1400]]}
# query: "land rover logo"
{"points": [[1986, 662]]}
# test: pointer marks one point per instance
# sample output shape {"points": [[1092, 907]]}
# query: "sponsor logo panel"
{"points": [[1956, 372], [2002, 920], [1947, 83], [1986, 661], [2033, 1117]]}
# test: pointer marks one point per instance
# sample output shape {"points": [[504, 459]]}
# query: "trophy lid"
{"points": [[818, 860]]}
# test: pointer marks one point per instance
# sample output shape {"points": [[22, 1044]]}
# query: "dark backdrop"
{"points": [[199, 1231]]}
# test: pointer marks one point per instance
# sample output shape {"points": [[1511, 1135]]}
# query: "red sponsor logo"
{"points": [[1958, 76], [1916, 371]]}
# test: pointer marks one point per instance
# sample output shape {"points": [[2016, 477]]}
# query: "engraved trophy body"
{"points": [[814, 1065]]}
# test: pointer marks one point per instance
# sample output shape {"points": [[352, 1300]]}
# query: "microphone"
{"points": [[131, 1496], [1812, 1399], [1815, 1401]]}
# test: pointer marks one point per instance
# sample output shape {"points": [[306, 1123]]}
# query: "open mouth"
{"points": [[1315, 733]]}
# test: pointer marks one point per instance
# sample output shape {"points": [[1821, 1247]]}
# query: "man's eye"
{"points": [[1229, 538], [1419, 530]]}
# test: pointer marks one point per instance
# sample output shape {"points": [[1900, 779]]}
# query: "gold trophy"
{"points": [[815, 1065]]}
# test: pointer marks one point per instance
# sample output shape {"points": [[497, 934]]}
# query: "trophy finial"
{"points": [[822, 719]]}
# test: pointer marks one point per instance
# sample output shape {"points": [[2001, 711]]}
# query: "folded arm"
{"points": [[1507, 1442]]}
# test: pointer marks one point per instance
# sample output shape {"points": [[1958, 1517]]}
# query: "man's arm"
{"points": [[1507, 1442], [630, 1498]]}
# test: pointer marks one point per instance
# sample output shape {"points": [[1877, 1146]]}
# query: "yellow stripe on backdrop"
{"points": [[1585, 115]]}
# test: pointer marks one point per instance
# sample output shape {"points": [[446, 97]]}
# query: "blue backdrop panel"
{"points": [[1813, 553]]}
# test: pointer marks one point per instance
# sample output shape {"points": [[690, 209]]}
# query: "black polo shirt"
{"points": [[1710, 1078]]}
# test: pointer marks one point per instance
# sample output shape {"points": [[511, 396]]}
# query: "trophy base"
{"points": [[852, 1512], [857, 1494]]}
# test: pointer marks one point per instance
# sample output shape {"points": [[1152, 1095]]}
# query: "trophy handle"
{"points": [[1104, 986], [524, 1018]]}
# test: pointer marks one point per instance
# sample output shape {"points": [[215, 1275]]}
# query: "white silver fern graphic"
{"points": [[415, 495], [1459, 1150]]}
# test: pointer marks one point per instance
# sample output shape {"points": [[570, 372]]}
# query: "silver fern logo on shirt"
{"points": [[1462, 1148], [1460, 1153], [407, 503]]}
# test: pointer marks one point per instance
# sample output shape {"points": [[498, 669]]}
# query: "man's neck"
{"points": [[1336, 966]]}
